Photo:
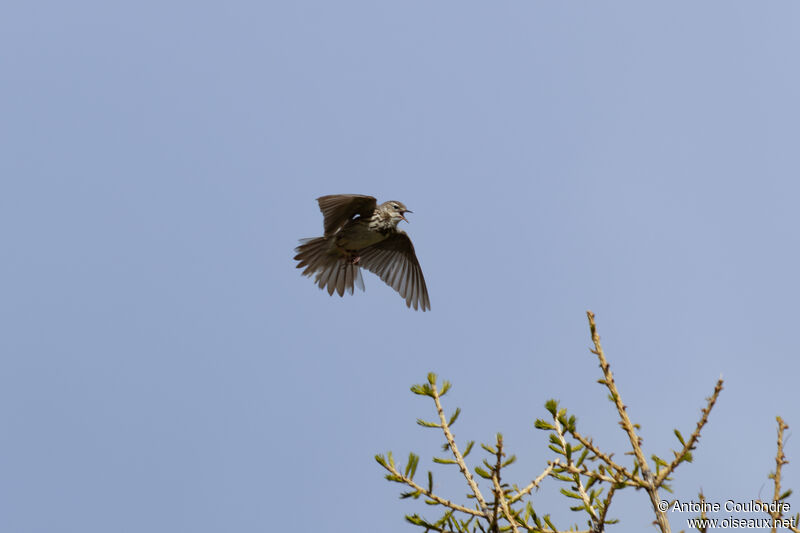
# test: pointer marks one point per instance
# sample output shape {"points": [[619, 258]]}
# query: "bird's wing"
{"points": [[339, 208], [395, 262]]}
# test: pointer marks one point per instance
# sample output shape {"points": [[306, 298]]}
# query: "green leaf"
{"points": [[552, 406], [658, 460], [445, 517], [509, 461], [454, 417], [549, 523], [556, 449], [541, 424], [422, 390], [572, 422], [426, 424], [483, 473], [468, 448], [785, 495], [582, 457], [680, 437], [419, 521], [570, 494], [529, 513], [415, 519], [411, 466], [445, 387], [442, 461], [431, 378]]}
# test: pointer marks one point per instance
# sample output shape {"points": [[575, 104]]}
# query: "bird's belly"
{"points": [[357, 236]]}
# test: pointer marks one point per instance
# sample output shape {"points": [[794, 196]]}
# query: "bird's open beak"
{"points": [[403, 213]]}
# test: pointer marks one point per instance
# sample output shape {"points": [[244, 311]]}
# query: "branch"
{"points": [[572, 469], [780, 460], [605, 506], [535, 483], [652, 490], [692, 442], [587, 504], [438, 499], [499, 490], [456, 454], [607, 458], [496, 479]]}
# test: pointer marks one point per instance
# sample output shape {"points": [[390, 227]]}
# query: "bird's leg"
{"points": [[352, 257]]}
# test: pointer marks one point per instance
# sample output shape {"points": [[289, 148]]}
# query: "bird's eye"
{"points": [[396, 206]]}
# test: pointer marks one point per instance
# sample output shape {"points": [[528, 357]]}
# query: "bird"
{"points": [[359, 233]]}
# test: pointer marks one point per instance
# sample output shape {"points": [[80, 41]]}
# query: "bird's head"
{"points": [[395, 211]]}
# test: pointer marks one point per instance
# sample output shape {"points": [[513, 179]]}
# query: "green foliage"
{"points": [[584, 474]]}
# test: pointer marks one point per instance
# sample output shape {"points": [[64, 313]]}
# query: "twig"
{"points": [[438, 499], [587, 504], [496, 479], [606, 458], [499, 490], [535, 483], [456, 454], [652, 490], [703, 515], [572, 469], [692, 442], [605, 506], [780, 460]]}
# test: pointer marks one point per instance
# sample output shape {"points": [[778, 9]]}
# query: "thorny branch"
{"points": [[608, 471], [456, 454], [780, 460], [650, 486], [587, 504], [695, 436]]}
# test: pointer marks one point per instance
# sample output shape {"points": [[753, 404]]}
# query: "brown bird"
{"points": [[360, 233]]}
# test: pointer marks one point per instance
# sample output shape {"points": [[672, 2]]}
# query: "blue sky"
{"points": [[166, 368]]}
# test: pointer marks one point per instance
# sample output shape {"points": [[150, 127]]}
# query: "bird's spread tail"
{"points": [[332, 269]]}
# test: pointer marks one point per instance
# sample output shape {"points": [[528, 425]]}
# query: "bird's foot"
{"points": [[355, 259]]}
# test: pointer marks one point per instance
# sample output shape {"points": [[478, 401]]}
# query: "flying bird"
{"points": [[361, 234]]}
